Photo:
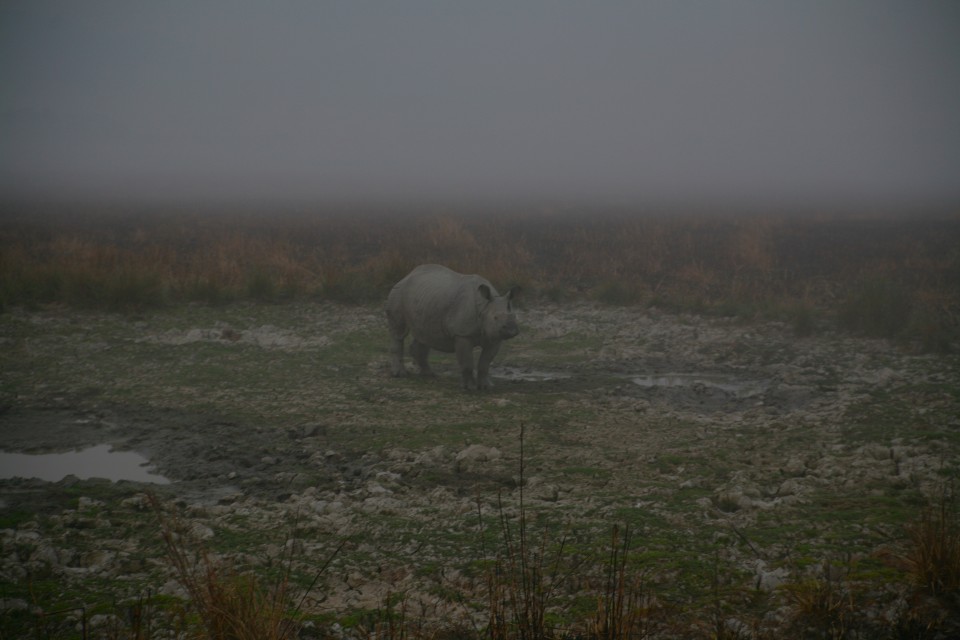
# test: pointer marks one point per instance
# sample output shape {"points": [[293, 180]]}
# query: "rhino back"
{"points": [[438, 304]]}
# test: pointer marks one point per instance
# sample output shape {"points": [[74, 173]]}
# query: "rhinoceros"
{"points": [[453, 313]]}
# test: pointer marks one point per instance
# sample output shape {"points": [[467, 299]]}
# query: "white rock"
{"points": [[88, 503], [46, 554], [478, 453], [769, 579], [790, 487], [200, 531]]}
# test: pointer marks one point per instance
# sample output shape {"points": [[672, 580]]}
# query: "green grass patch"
{"points": [[920, 411]]}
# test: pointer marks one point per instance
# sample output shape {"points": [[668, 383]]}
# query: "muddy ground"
{"points": [[749, 463]]}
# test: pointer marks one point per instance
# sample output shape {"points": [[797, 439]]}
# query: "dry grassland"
{"points": [[886, 276]]}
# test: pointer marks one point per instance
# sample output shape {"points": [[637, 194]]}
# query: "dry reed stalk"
{"points": [[934, 557], [229, 604]]}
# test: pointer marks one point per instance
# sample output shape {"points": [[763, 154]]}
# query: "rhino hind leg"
{"points": [[396, 358], [398, 332], [420, 352]]}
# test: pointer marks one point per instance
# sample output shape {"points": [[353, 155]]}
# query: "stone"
{"points": [[478, 453]]}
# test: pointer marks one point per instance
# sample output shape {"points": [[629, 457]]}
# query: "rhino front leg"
{"points": [[483, 366], [464, 349], [420, 351]]}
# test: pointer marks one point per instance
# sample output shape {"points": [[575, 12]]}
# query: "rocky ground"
{"points": [[753, 468]]}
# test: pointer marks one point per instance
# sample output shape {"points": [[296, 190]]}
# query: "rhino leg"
{"points": [[420, 351], [464, 349], [396, 358], [483, 365], [398, 332]]}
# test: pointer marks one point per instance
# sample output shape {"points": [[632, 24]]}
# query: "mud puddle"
{"points": [[523, 374], [202, 455], [101, 461], [700, 382]]}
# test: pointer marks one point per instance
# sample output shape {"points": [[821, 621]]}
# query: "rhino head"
{"points": [[497, 319]]}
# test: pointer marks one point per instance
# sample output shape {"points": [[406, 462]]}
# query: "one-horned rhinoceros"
{"points": [[453, 313]]}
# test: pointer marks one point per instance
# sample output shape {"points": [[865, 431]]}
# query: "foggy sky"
{"points": [[651, 101]]}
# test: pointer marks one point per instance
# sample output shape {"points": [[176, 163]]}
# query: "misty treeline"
{"points": [[881, 275]]}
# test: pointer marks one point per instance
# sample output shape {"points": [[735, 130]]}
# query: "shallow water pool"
{"points": [[100, 461], [729, 384]]}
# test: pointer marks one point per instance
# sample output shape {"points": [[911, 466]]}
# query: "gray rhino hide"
{"points": [[449, 312]]}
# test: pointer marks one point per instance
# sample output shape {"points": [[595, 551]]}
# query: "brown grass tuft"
{"points": [[934, 555], [229, 604]]}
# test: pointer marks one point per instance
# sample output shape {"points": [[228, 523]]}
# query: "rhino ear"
{"points": [[485, 292]]}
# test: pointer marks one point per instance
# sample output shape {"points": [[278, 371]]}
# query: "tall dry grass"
{"points": [[882, 276], [229, 604], [532, 575], [626, 606], [934, 555]]}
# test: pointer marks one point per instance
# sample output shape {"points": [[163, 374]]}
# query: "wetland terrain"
{"points": [[741, 457], [751, 426]]}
